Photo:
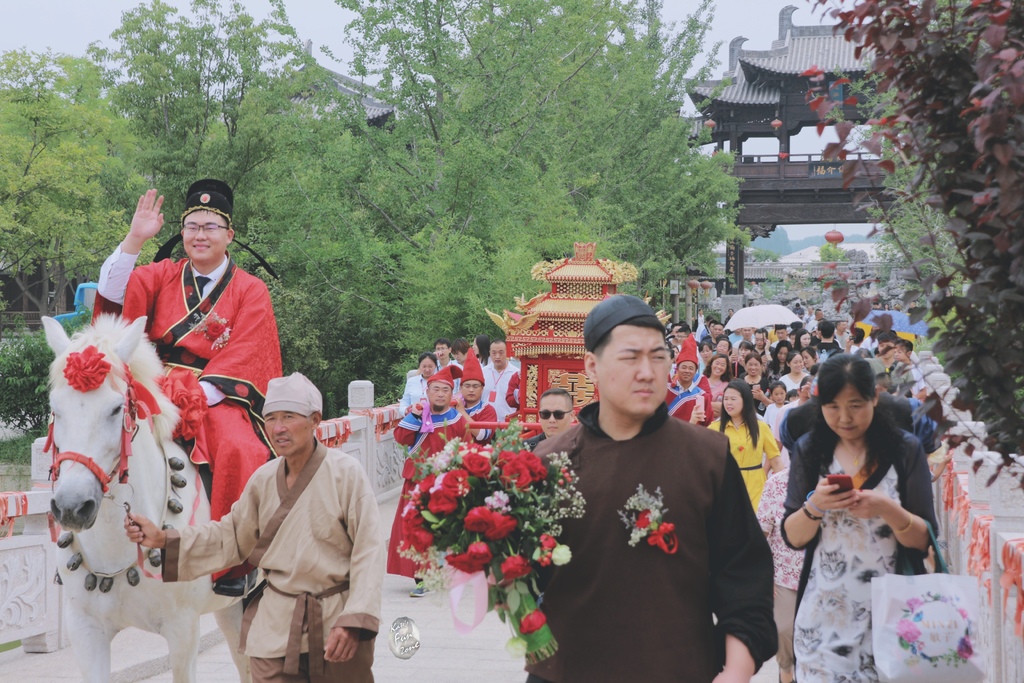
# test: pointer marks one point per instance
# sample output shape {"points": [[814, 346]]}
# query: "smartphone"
{"points": [[845, 482]]}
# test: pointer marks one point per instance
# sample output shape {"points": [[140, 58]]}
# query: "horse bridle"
{"points": [[130, 413]]}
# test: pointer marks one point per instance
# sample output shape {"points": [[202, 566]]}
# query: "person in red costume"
{"points": [[470, 402], [214, 328], [446, 423], [689, 399]]}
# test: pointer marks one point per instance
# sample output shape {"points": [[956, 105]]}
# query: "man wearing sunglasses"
{"points": [[555, 415], [211, 321]]}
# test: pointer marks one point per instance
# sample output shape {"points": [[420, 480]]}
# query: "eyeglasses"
{"points": [[208, 228], [548, 414]]}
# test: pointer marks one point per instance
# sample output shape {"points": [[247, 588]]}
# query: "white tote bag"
{"points": [[925, 629]]}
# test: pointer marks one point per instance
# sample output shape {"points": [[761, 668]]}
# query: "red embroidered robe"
{"points": [[228, 339]]}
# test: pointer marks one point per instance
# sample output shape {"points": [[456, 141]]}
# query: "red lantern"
{"points": [[834, 237], [776, 124], [710, 123], [706, 285], [693, 284], [783, 155]]}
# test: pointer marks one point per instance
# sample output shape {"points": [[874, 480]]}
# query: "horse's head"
{"points": [[90, 382]]}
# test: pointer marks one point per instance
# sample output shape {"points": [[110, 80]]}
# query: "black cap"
{"points": [[210, 195], [620, 309]]}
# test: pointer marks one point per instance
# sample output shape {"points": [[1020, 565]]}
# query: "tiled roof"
{"points": [[739, 91], [374, 108], [753, 74], [806, 46]]}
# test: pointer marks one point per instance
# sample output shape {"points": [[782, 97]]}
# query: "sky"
{"points": [[70, 26]]}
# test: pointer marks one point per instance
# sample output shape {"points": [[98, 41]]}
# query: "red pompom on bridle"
{"points": [[87, 370]]}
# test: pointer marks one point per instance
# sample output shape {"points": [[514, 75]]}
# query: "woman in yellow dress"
{"points": [[751, 441]]}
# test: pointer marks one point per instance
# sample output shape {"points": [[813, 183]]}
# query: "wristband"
{"points": [[816, 508], [909, 524], [808, 513]]}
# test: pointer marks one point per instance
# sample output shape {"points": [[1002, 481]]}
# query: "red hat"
{"points": [[447, 375], [688, 351], [471, 368]]}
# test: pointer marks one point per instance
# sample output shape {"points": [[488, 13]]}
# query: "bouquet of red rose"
{"points": [[485, 517]]}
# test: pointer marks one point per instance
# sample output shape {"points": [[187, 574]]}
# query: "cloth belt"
{"points": [[751, 468], [308, 616]]}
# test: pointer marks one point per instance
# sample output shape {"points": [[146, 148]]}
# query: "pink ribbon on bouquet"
{"points": [[427, 426], [478, 582]]}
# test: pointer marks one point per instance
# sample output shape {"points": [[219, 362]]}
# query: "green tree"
{"points": [[831, 253], [61, 169], [525, 126], [203, 92], [765, 255], [521, 128]]}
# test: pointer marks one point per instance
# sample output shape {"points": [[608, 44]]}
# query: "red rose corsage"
{"points": [[644, 517]]}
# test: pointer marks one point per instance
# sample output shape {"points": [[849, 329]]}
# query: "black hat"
{"points": [[620, 309], [209, 195]]}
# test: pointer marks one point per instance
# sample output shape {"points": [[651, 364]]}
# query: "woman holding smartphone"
{"points": [[851, 534]]}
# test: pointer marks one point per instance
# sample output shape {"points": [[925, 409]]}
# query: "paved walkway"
{"points": [[444, 655]]}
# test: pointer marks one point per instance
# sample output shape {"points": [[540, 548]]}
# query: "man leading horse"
{"points": [[310, 521]]}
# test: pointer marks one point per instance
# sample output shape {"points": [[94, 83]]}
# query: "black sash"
{"points": [[197, 307]]}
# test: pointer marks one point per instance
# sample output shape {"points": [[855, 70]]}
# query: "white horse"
{"points": [[110, 583]]}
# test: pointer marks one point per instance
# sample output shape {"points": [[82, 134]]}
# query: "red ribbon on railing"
{"points": [[948, 492], [979, 553], [1013, 564], [334, 433], [20, 508]]}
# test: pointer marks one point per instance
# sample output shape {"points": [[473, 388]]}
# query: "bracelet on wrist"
{"points": [[810, 514], [817, 509], [906, 528]]}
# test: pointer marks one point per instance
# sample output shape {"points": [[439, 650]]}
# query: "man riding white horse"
{"points": [[210, 321], [112, 443]]}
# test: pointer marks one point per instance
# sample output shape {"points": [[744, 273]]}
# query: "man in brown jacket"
{"points": [[692, 604]]}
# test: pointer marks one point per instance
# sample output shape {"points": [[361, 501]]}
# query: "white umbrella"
{"points": [[762, 316]]}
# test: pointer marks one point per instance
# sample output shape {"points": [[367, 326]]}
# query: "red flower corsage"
{"points": [[644, 517]]}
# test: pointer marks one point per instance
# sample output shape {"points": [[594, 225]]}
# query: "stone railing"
{"points": [[30, 599], [367, 433], [982, 529]]}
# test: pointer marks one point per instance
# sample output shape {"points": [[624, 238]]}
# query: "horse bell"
{"points": [[178, 481], [106, 583], [155, 557], [65, 539], [175, 506], [75, 562], [133, 576], [90, 582], [176, 464]]}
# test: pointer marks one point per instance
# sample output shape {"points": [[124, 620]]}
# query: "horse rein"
{"points": [[136, 396], [129, 430]]}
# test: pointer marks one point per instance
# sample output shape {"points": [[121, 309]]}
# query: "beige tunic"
{"points": [[331, 536]]}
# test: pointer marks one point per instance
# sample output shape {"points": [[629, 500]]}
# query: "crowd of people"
{"points": [[786, 457], [799, 402], [796, 403]]}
